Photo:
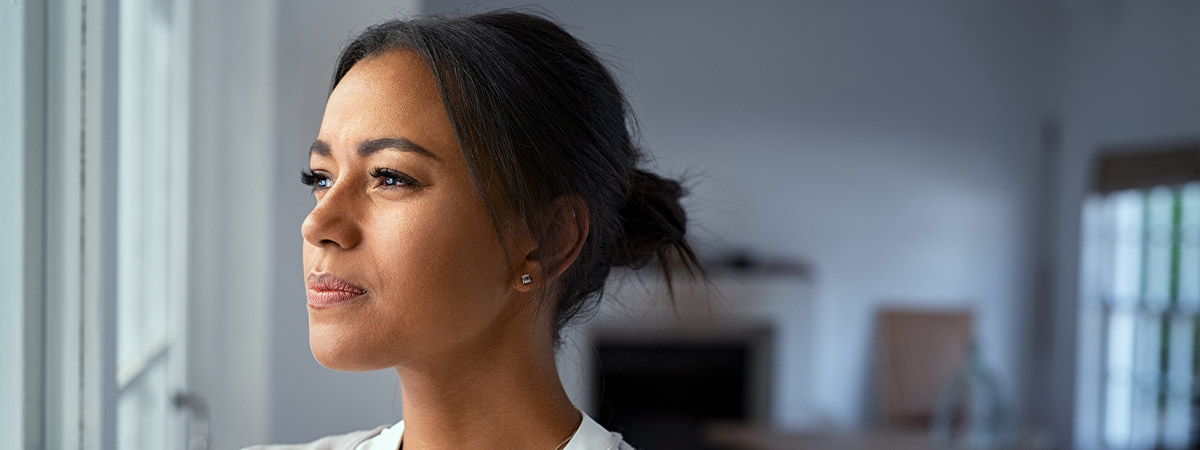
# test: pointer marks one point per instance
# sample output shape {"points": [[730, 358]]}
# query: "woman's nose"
{"points": [[333, 222]]}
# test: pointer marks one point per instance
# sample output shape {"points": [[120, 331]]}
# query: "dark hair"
{"points": [[537, 117]]}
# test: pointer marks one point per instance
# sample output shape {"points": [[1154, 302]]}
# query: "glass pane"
{"points": [[150, 255], [1119, 395], [1160, 209], [142, 409], [1177, 420], [156, 180], [1145, 409], [144, 186], [131, 192], [1126, 209], [1189, 254]]}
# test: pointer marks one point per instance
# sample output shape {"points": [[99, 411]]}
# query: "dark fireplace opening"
{"points": [[661, 392]]}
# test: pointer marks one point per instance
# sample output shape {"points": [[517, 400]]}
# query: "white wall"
{"points": [[1129, 74], [893, 145], [230, 251], [309, 401], [261, 76]]}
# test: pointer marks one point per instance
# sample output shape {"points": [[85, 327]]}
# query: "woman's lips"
{"points": [[326, 290]]}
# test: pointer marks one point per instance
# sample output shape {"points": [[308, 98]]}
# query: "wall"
{"points": [[230, 249], [260, 81], [1129, 74], [894, 146], [309, 401]]}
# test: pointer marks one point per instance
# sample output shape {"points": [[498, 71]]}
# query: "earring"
{"points": [[525, 279]]}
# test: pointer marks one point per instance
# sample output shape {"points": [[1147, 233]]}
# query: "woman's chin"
{"points": [[342, 353]]}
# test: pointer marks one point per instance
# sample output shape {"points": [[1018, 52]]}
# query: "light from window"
{"points": [[1150, 269]]}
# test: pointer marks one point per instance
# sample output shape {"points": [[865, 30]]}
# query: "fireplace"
{"points": [[661, 388], [736, 350]]}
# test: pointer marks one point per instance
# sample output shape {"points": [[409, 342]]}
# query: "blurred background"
{"points": [[933, 221]]}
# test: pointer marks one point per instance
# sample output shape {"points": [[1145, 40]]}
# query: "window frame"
{"points": [[22, 49], [1120, 169]]}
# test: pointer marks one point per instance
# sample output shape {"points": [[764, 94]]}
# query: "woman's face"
{"points": [[401, 258]]}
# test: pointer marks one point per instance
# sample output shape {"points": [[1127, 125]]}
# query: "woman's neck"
{"points": [[503, 394]]}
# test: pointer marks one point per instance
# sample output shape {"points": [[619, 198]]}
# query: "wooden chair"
{"points": [[918, 352]]}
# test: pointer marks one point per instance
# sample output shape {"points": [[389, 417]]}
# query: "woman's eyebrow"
{"points": [[369, 147]]}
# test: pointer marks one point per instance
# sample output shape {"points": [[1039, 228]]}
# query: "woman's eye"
{"points": [[392, 178], [318, 180]]}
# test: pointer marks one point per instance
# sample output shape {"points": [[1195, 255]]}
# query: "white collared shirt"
{"points": [[589, 436]]}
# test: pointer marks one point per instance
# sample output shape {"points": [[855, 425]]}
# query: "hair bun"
{"points": [[652, 222]]}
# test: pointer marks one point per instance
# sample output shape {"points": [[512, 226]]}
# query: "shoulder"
{"points": [[619, 444], [593, 436], [346, 441], [616, 442]]}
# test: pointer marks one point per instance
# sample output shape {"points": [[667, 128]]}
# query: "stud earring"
{"points": [[525, 279]]}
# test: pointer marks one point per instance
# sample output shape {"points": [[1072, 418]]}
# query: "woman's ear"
{"points": [[555, 246]]}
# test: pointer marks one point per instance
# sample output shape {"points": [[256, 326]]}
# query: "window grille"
{"points": [[1148, 269]]}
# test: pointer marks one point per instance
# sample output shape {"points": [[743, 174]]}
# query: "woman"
{"points": [[476, 181]]}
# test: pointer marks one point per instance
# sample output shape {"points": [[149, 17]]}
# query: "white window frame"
{"points": [[152, 190], [42, 341], [59, 331], [22, 122], [63, 290]]}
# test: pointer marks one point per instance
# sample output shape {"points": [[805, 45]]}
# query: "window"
{"points": [[151, 224], [91, 344], [1144, 260]]}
